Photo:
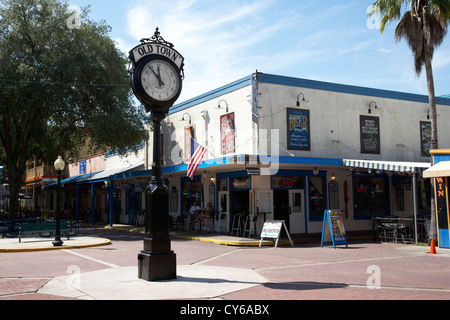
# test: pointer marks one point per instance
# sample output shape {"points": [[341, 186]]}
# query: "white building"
{"points": [[287, 149], [308, 145]]}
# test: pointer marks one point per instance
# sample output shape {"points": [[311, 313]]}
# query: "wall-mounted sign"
{"points": [[298, 130], [425, 138], [370, 134], [253, 171], [227, 134], [83, 167]]}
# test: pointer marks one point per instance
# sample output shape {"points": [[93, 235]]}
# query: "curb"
{"points": [[103, 242]]}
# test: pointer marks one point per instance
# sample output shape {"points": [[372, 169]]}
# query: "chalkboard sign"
{"points": [[272, 230], [335, 230], [298, 132], [370, 134]]}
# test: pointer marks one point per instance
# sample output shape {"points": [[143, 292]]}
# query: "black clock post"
{"points": [[157, 261], [156, 82]]}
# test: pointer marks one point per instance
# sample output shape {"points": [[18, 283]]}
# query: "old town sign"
{"points": [[157, 73]]}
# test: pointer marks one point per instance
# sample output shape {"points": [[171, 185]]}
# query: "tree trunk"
{"points": [[434, 137]]}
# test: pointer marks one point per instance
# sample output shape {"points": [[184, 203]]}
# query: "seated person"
{"points": [[208, 213], [195, 209]]}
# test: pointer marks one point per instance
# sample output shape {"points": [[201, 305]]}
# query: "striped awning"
{"points": [[408, 167]]}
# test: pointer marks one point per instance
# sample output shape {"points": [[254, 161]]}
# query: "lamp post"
{"points": [[59, 167]]}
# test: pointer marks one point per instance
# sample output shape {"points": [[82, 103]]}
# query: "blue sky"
{"points": [[223, 41]]}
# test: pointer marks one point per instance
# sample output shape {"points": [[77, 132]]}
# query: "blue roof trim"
{"points": [[327, 86], [240, 159], [236, 85], [311, 161], [305, 83]]}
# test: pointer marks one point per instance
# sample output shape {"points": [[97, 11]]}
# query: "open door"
{"points": [[297, 211], [223, 207]]}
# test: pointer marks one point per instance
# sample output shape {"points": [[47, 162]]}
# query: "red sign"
{"points": [[227, 133], [287, 183]]}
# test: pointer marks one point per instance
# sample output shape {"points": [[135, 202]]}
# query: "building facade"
{"points": [[281, 148]]}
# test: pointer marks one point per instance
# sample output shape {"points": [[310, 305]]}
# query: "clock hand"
{"points": [[158, 77], [160, 80]]}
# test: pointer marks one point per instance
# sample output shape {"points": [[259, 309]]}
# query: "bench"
{"points": [[42, 227], [3, 230]]}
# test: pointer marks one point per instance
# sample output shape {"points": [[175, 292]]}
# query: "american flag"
{"points": [[197, 153]]}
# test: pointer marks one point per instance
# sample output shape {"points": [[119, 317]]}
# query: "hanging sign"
{"points": [[333, 229], [227, 133], [272, 230]]}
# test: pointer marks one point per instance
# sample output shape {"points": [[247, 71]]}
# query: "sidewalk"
{"points": [[206, 270], [36, 243]]}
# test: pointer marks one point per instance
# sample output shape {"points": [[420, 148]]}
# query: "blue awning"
{"points": [[109, 174], [95, 177], [70, 180]]}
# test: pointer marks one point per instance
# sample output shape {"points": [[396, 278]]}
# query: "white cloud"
{"points": [[441, 59], [385, 50], [215, 39]]}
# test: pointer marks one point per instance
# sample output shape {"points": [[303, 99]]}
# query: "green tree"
{"points": [[423, 24], [62, 82]]}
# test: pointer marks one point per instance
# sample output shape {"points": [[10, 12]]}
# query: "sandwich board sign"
{"points": [[333, 229], [272, 230]]}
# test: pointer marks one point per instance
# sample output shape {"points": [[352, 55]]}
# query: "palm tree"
{"points": [[424, 26]]}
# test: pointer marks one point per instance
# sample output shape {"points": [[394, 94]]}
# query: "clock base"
{"points": [[157, 267]]}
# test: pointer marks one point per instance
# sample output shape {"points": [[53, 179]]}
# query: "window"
{"points": [[190, 192], [371, 196], [316, 197]]}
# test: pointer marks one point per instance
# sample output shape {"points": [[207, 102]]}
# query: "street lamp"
{"points": [[59, 167]]}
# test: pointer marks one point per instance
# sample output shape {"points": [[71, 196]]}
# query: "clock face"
{"points": [[160, 80]]}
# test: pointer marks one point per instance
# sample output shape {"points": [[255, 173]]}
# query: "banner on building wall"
{"points": [[227, 134], [425, 138], [82, 167], [298, 129], [188, 135], [370, 134]]}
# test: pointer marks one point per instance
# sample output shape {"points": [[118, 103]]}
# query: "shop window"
{"points": [[316, 197], [242, 183], [424, 196], [371, 196], [281, 182], [222, 184], [190, 192]]}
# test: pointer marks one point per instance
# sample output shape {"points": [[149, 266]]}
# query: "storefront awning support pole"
{"points": [[415, 206]]}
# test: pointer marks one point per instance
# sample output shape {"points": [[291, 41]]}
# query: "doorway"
{"points": [[289, 206], [281, 206], [239, 203]]}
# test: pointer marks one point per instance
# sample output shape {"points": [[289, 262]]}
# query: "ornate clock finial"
{"points": [[156, 38]]}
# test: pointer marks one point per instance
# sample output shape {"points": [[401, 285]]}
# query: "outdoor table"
{"points": [[395, 227]]}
